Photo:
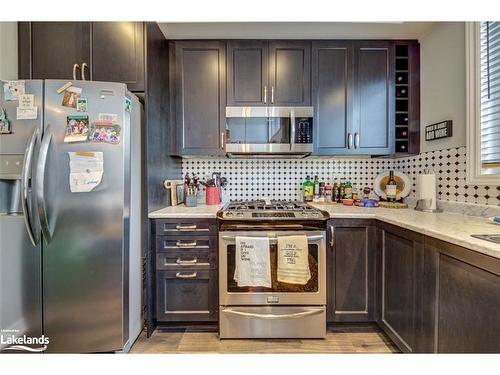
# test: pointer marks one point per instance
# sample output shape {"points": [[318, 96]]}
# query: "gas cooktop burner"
{"points": [[273, 209]]}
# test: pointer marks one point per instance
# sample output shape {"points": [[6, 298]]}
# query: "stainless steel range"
{"points": [[281, 309]]}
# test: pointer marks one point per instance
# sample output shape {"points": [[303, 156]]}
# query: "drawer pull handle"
{"points": [[192, 261], [186, 227], [181, 275], [185, 244]]}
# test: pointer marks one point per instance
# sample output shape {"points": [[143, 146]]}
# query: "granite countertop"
{"points": [[451, 227], [181, 211]]}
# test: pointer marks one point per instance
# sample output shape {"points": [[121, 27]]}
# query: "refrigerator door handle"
{"points": [[40, 184], [27, 166]]}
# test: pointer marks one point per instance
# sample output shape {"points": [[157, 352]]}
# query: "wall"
{"points": [[442, 69], [294, 30], [282, 178], [8, 50], [450, 168]]}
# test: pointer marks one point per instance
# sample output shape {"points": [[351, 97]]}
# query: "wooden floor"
{"points": [[339, 339]]}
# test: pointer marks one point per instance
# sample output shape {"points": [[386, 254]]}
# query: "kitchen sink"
{"points": [[488, 237]]}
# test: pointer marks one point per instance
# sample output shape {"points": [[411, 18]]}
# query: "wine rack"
{"points": [[407, 97], [402, 88]]}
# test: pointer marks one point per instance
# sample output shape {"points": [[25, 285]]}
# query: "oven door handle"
{"points": [[315, 238], [275, 316]]}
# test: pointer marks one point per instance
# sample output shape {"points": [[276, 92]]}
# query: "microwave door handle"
{"points": [[292, 130], [27, 166], [40, 184]]}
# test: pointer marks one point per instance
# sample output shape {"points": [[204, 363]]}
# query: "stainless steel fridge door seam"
{"points": [[27, 164], [40, 184]]}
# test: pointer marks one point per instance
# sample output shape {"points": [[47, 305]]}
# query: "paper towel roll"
{"points": [[427, 188]]}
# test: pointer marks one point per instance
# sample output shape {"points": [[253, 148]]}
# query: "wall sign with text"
{"points": [[439, 130]]}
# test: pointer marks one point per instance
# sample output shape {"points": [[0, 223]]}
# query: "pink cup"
{"points": [[212, 195]]}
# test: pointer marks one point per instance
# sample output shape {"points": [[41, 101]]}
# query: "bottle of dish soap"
{"points": [[308, 189]]}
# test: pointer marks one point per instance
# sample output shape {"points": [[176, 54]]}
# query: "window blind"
{"points": [[490, 92]]}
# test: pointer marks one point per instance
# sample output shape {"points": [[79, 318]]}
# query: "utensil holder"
{"points": [[191, 200], [212, 195]]}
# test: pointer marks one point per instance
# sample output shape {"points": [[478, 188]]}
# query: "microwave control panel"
{"points": [[303, 130]]}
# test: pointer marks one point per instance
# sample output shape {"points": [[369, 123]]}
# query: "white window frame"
{"points": [[473, 108]]}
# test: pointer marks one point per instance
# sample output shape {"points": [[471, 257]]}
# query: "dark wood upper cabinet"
{"points": [[290, 73], [55, 49], [351, 270], [373, 131], [247, 72], [101, 51], [200, 97], [118, 53], [276, 73], [332, 79], [353, 91]]}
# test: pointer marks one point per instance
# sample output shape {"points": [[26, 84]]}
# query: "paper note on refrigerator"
{"points": [[86, 170], [30, 113], [12, 90]]}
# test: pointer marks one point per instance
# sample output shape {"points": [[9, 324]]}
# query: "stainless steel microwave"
{"points": [[269, 131]]}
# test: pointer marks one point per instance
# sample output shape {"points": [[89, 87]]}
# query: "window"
{"points": [[483, 102]]}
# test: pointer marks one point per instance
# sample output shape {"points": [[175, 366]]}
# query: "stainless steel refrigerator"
{"points": [[71, 262]]}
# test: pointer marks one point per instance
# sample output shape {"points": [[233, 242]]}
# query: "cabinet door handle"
{"points": [[181, 262], [349, 140], [182, 275], [331, 235], [265, 94], [186, 227], [75, 67], [356, 140], [272, 94], [84, 65], [185, 244]]}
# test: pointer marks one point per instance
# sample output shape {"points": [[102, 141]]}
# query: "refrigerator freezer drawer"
{"points": [[239, 322]]}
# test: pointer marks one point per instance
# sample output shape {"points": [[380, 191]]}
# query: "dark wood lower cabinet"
{"points": [[187, 295], [351, 270], [399, 285], [186, 276], [427, 295], [461, 300]]}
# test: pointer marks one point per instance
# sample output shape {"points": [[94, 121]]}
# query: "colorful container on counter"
{"points": [[347, 202], [212, 195], [366, 202]]}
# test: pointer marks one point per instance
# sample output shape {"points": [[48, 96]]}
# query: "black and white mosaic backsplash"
{"points": [[282, 178], [450, 168]]}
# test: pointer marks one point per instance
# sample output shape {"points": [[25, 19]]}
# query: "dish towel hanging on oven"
{"points": [[252, 262], [293, 260]]}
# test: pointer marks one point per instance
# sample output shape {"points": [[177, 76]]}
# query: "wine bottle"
{"points": [[391, 188]]}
